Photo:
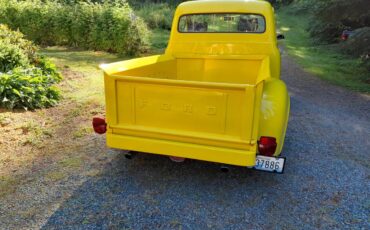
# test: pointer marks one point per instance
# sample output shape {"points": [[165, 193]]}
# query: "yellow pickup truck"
{"points": [[214, 95]]}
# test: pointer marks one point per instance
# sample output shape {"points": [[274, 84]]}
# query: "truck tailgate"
{"points": [[213, 114]]}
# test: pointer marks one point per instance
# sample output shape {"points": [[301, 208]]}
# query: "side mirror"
{"points": [[280, 37]]}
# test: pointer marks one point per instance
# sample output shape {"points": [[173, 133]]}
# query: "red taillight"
{"points": [[267, 146], [99, 125], [344, 37]]}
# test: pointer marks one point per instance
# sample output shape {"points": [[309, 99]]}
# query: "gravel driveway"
{"points": [[325, 184]]}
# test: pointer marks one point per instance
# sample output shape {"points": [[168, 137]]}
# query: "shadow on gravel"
{"points": [[152, 192]]}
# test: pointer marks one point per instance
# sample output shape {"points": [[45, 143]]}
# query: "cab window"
{"points": [[222, 23]]}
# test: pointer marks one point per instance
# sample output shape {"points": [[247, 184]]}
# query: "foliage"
{"points": [[159, 40], [359, 46], [26, 79], [326, 61], [110, 26], [72, 2], [157, 15], [359, 43], [280, 2], [330, 17], [14, 49], [27, 88], [140, 3]]}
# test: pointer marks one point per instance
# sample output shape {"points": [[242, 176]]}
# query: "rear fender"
{"points": [[275, 107]]}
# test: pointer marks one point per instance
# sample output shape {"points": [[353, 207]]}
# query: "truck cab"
{"points": [[214, 95]]}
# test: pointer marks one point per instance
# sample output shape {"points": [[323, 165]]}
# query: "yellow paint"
{"points": [[209, 97]]}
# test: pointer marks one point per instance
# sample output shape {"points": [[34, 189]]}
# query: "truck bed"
{"points": [[199, 103]]}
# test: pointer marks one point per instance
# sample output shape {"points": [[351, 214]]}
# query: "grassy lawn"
{"points": [[159, 39], [56, 142], [324, 61], [84, 81], [58, 135]]}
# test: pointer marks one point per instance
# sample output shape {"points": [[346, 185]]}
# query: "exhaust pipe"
{"points": [[130, 155], [177, 159], [224, 169]]}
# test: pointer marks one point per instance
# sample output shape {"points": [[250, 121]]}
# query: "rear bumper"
{"points": [[230, 156]]}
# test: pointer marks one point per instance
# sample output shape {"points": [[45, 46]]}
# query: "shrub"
{"points": [[110, 26], [14, 49], [358, 44], [140, 3], [28, 88], [331, 17], [157, 15], [11, 56], [26, 79], [280, 2]]}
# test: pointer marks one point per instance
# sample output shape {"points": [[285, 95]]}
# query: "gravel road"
{"points": [[325, 184]]}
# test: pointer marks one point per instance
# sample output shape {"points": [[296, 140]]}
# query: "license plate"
{"points": [[270, 164]]}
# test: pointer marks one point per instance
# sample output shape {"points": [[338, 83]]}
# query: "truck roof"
{"points": [[222, 6]]}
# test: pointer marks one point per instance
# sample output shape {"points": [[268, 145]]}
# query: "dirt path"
{"points": [[325, 185]]}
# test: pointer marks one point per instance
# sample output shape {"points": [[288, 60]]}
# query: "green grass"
{"points": [[324, 61], [4, 120], [82, 131], [42, 132], [35, 132], [56, 175], [7, 184], [81, 59], [74, 162], [81, 67], [158, 40], [85, 79]]}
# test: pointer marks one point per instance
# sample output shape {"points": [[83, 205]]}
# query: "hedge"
{"points": [[108, 26], [26, 79]]}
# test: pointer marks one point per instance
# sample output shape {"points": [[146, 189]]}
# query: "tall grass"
{"points": [[109, 27]]}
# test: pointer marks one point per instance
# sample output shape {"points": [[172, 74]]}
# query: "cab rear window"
{"points": [[222, 23]]}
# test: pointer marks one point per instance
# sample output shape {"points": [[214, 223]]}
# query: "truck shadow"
{"points": [[151, 191]]}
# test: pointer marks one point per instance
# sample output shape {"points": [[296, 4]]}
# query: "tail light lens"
{"points": [[99, 125], [267, 146]]}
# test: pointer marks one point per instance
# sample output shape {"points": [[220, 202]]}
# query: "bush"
{"points": [[111, 26], [15, 50], [28, 88], [157, 15], [358, 44], [26, 79], [331, 17], [280, 2], [140, 3]]}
